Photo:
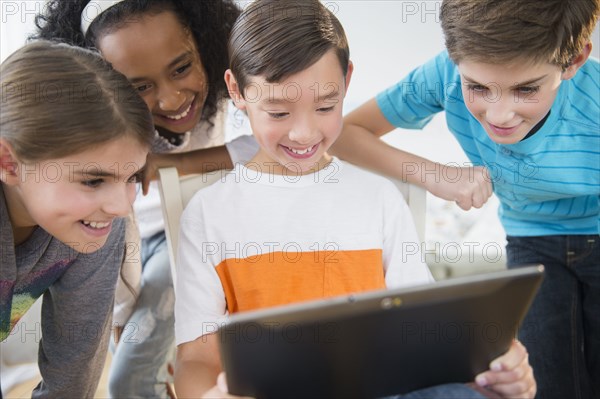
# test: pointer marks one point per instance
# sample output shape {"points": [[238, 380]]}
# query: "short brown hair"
{"points": [[500, 31], [278, 38]]}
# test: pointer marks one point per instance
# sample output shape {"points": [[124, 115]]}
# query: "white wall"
{"points": [[387, 40], [17, 22]]}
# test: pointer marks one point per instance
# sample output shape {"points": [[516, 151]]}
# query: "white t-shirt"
{"points": [[254, 240]]}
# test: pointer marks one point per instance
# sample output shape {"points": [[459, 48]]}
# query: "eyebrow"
{"points": [[173, 63], [321, 98], [95, 173], [526, 83]]}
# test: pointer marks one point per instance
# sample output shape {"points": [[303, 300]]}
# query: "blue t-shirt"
{"points": [[549, 183]]}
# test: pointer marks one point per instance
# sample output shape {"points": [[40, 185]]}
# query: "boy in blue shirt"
{"points": [[523, 100]]}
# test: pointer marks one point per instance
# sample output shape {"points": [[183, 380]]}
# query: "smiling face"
{"points": [[160, 58], [76, 198], [295, 121], [509, 100]]}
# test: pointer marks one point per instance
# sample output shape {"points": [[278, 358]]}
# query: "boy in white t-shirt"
{"points": [[294, 223]]}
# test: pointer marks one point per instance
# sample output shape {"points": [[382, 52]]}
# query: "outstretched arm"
{"points": [[360, 144], [197, 161]]}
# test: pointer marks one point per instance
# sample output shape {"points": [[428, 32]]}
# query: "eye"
{"points": [[143, 88], [94, 183], [278, 115], [183, 68], [476, 88], [528, 90], [326, 109]]}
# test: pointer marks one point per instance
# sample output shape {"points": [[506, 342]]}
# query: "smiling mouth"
{"points": [[502, 128], [181, 115], [503, 131], [95, 225], [301, 152]]}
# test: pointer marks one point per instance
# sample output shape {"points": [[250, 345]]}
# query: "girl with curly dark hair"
{"points": [[174, 52]]}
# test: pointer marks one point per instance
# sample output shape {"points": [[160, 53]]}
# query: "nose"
{"points": [[304, 132], [118, 202], [170, 98], [501, 113]]}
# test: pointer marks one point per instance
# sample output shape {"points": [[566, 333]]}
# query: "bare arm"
{"points": [[197, 161], [197, 366], [360, 144]]}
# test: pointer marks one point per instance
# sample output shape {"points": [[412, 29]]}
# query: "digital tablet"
{"points": [[377, 343]]}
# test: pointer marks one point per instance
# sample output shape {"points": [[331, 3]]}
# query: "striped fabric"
{"points": [[256, 240], [547, 184]]}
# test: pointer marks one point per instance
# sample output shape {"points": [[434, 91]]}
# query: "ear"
{"points": [[577, 62], [349, 75], [9, 164], [234, 90]]}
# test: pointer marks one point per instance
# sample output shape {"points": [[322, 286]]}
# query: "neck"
{"points": [[537, 127], [21, 223], [265, 164]]}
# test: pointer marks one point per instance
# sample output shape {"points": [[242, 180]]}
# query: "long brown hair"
{"points": [[58, 100]]}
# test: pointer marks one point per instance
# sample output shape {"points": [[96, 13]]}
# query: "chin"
{"points": [[178, 129], [86, 247], [507, 140]]}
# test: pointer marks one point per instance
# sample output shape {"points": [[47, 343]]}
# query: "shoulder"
{"points": [[363, 179], [587, 78], [214, 192], [440, 66], [582, 107], [591, 69]]}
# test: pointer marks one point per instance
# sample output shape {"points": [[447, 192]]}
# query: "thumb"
{"points": [[222, 382]]}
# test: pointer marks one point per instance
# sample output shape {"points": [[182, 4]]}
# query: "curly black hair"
{"points": [[210, 23]]}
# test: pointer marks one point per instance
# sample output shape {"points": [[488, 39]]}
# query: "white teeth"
{"points": [[301, 152], [181, 115], [96, 225]]}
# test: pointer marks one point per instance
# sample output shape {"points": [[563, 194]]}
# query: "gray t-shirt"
{"points": [[78, 294]]}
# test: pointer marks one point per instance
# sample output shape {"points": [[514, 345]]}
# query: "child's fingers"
{"points": [[479, 198], [148, 176], [483, 187], [475, 188], [518, 383], [514, 357], [222, 382], [510, 374], [145, 184], [222, 386]]}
